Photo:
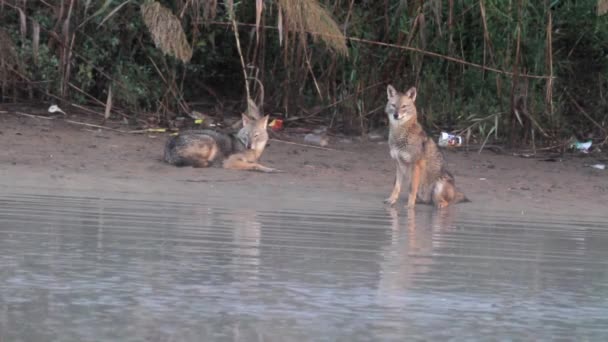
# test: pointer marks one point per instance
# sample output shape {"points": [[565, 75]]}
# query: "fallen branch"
{"points": [[69, 121], [311, 146], [95, 126], [580, 109], [32, 116]]}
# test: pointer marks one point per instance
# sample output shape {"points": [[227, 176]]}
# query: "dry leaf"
{"points": [[166, 31]]}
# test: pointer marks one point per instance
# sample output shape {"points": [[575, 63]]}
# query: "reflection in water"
{"points": [[410, 252], [107, 269], [246, 235]]}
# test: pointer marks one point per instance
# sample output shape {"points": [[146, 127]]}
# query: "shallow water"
{"points": [[103, 267]]}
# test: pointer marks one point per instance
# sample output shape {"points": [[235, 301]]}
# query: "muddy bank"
{"points": [[54, 153]]}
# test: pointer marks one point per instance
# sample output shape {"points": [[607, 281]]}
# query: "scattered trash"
{"points": [[375, 137], [320, 130], [482, 179], [378, 135], [599, 166], [197, 115], [447, 139], [316, 139], [56, 109], [582, 146], [276, 125], [201, 119]]}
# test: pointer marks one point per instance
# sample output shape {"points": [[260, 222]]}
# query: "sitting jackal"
{"points": [[417, 155]]}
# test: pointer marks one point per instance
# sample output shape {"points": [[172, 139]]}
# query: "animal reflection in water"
{"points": [[409, 256], [246, 235]]}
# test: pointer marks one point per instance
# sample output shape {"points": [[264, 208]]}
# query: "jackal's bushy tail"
{"points": [[459, 197], [170, 155]]}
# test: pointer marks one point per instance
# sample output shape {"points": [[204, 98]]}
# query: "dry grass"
{"points": [[602, 7], [308, 16], [209, 9], [167, 31]]}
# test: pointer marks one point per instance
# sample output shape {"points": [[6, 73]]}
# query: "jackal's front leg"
{"points": [[417, 169], [262, 168], [234, 162], [392, 199]]}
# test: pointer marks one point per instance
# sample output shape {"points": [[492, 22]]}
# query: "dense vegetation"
{"points": [[507, 70]]}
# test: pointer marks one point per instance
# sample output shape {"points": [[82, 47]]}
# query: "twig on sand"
{"points": [[211, 180], [95, 126], [494, 148], [70, 121], [150, 130], [307, 145], [33, 116]]}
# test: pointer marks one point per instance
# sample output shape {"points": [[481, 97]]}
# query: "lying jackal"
{"points": [[417, 154], [240, 151]]}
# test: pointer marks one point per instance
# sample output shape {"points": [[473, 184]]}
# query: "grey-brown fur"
{"points": [[416, 155], [239, 151], [175, 146]]}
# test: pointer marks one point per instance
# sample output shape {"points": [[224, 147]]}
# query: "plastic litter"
{"points": [[447, 139], [599, 166], [196, 115], [378, 135], [582, 146], [316, 139], [276, 125], [320, 130], [56, 109]]}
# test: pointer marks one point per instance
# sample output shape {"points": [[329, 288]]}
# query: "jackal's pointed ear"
{"points": [[265, 121], [252, 109], [246, 119], [391, 92], [411, 93]]}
